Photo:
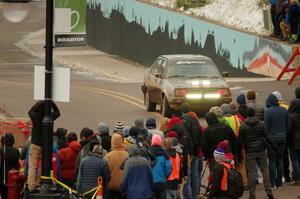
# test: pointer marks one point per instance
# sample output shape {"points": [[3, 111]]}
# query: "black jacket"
{"points": [[36, 114], [192, 127], [258, 108], [214, 134], [252, 135], [294, 125]]}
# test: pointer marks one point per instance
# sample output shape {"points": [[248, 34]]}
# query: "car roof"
{"points": [[176, 57]]}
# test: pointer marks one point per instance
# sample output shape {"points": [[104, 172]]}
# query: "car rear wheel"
{"points": [[150, 106], [166, 109]]}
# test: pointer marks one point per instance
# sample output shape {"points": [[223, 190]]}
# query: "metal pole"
{"points": [[47, 129]]}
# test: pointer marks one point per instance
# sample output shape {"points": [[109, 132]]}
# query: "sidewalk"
{"points": [[85, 59]]}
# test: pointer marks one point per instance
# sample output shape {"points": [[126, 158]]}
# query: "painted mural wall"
{"points": [[140, 32]]}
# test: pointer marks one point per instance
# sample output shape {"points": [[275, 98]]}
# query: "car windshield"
{"points": [[197, 69]]}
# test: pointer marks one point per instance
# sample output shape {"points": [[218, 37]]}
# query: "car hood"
{"points": [[198, 82]]}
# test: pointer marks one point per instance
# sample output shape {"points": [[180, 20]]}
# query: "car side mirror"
{"points": [[157, 75], [225, 74]]}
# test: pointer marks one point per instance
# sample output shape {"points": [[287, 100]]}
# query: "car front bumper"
{"points": [[199, 104]]}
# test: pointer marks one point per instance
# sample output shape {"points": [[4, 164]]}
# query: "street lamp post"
{"points": [[47, 127]]}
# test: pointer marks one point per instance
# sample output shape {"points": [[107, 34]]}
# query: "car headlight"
{"points": [[212, 96], [193, 96]]}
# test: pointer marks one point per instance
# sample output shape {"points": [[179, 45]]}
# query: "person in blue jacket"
{"points": [[162, 169], [137, 177], [276, 124]]}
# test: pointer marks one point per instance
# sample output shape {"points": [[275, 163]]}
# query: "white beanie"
{"points": [[278, 95]]}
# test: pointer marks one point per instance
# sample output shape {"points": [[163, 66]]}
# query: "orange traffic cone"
{"points": [[99, 192]]}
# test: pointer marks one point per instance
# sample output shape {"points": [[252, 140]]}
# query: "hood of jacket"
{"points": [[272, 100], [133, 151], [297, 92], [159, 151], [211, 118], [8, 140], [252, 121], [117, 142], [295, 106], [75, 145]]}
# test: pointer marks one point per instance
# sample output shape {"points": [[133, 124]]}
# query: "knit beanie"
{"points": [[98, 149], [86, 133], [250, 112], [241, 99], [172, 134], [278, 95], [139, 122], [224, 145], [219, 154], [185, 108], [226, 109], [103, 128], [233, 107], [156, 140], [217, 111], [125, 131], [151, 123], [119, 127], [251, 95]]}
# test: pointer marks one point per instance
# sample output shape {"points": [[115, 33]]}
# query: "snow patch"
{"points": [[245, 15]]}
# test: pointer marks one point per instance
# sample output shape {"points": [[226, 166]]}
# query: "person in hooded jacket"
{"points": [[276, 124], [91, 168], [242, 106], [254, 137], [286, 160], [294, 136], [36, 114], [115, 158], [11, 157], [213, 135], [231, 119], [67, 157], [137, 178], [162, 169], [103, 130]]}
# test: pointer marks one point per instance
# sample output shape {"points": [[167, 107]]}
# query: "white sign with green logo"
{"points": [[69, 22]]}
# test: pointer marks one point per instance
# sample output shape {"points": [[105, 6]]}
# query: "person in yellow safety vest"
{"points": [[231, 120]]}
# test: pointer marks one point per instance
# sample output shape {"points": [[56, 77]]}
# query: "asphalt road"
{"points": [[92, 100]]}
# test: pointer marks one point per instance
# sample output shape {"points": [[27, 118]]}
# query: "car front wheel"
{"points": [[150, 106], [166, 109]]}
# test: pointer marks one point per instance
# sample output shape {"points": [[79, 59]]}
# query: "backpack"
{"points": [[235, 187], [193, 129]]}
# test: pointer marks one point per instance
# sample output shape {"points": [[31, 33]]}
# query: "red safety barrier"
{"points": [[15, 184], [286, 68]]}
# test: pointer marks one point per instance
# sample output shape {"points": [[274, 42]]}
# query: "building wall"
{"points": [[140, 32]]}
